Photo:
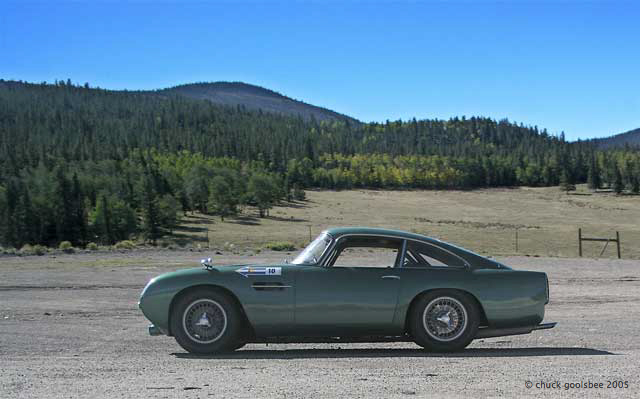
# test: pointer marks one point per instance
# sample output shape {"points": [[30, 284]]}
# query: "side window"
{"points": [[427, 255], [363, 251]]}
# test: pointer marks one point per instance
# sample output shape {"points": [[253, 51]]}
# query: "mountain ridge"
{"points": [[255, 97], [233, 94], [631, 137]]}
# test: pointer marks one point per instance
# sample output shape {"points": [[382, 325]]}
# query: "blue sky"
{"points": [[571, 66]]}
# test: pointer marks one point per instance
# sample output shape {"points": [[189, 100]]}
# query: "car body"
{"points": [[351, 284]]}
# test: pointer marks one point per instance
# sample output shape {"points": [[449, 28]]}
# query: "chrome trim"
{"points": [[545, 326], [452, 305], [546, 278], [270, 286], [403, 254], [502, 332], [390, 277], [465, 263], [331, 246], [154, 331], [324, 253], [189, 333]]}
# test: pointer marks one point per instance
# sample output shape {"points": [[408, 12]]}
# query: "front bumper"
{"points": [[155, 331]]}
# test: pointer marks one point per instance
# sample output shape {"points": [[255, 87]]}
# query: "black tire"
{"points": [[199, 332], [444, 320]]}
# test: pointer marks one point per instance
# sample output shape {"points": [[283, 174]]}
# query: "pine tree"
{"points": [[593, 174], [64, 209], [150, 214], [298, 193], [26, 219], [617, 179], [566, 183], [78, 214], [101, 221], [635, 178], [3, 212], [168, 208], [11, 227]]}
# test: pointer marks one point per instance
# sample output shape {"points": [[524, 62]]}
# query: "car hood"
{"points": [[201, 272]]}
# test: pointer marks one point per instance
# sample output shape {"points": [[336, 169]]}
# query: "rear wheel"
{"points": [[207, 321], [444, 321]]}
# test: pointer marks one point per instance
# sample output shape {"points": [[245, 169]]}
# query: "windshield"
{"points": [[312, 253]]}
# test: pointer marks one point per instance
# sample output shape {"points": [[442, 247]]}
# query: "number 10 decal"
{"points": [[260, 271]]}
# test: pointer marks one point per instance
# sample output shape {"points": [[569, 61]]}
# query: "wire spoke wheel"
{"points": [[444, 319], [204, 321]]}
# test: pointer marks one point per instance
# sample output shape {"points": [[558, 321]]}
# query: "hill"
{"points": [[87, 165], [255, 98], [632, 138]]}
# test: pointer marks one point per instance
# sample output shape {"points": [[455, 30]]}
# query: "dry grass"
{"points": [[485, 221]]}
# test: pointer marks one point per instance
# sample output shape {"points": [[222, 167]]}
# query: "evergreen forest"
{"points": [[88, 165]]}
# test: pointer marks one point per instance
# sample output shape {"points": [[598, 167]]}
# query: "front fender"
{"points": [[155, 300]]}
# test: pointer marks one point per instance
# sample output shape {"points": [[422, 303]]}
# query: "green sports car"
{"points": [[350, 284]]}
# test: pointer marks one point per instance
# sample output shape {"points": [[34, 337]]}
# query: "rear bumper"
{"points": [[545, 326], [501, 332]]}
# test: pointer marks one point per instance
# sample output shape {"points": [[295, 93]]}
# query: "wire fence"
{"points": [[544, 242]]}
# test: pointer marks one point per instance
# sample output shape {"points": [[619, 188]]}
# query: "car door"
{"points": [[357, 297], [267, 296]]}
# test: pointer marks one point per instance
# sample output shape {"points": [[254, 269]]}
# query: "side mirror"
{"points": [[206, 263]]}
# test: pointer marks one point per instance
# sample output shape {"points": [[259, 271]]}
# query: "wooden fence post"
{"points": [[580, 242], [618, 243]]}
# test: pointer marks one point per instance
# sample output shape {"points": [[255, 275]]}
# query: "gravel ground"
{"points": [[70, 327]]}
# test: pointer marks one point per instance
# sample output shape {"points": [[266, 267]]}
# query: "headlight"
{"points": [[546, 279]]}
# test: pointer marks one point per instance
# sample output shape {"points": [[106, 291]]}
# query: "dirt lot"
{"points": [[70, 327]]}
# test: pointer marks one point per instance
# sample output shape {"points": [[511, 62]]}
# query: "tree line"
{"points": [[89, 165]]}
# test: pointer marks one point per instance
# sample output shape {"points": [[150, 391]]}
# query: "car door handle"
{"points": [[391, 277]]}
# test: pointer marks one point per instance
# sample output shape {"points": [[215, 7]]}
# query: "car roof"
{"points": [[340, 231], [471, 257]]}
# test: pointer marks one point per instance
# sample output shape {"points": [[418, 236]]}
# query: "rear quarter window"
{"points": [[427, 255]]}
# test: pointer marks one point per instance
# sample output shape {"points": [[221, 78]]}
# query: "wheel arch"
{"points": [[407, 316], [215, 287]]}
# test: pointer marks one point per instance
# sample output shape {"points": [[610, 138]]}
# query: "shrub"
{"points": [[28, 249], [39, 250], [280, 246], [126, 244], [167, 244], [66, 247], [92, 246]]}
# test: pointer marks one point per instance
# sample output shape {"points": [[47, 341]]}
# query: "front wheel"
{"points": [[444, 321], [206, 322]]}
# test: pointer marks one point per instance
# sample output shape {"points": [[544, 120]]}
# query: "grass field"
{"points": [[546, 219]]}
